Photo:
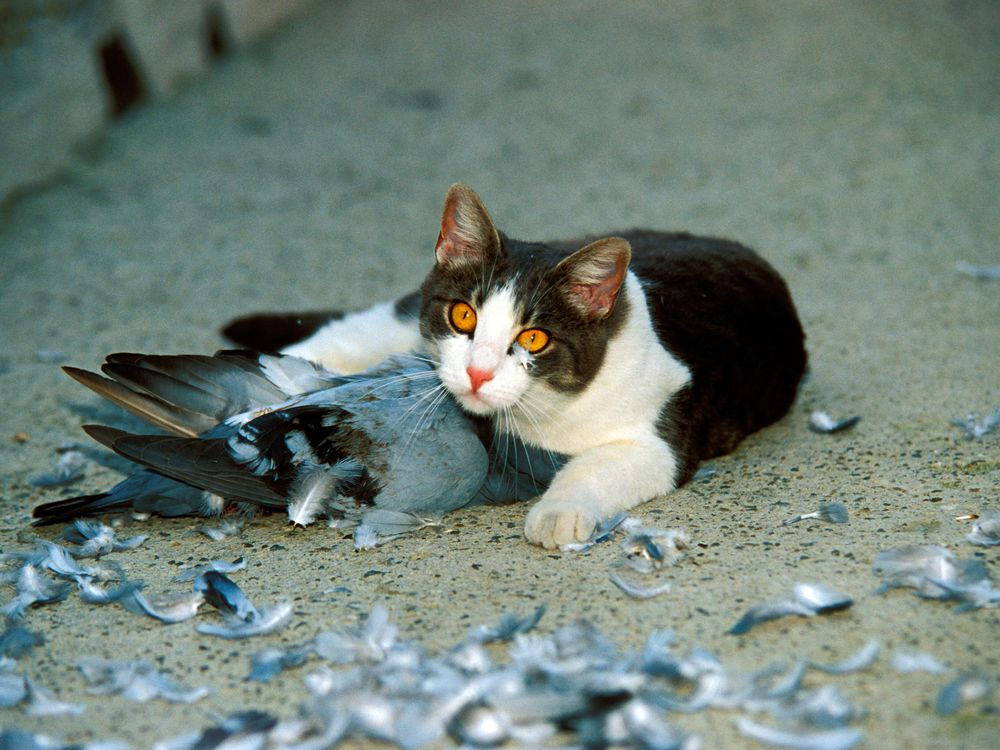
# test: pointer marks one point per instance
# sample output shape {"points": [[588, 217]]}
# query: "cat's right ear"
{"points": [[467, 231]]}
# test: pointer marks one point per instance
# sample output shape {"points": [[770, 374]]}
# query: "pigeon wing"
{"points": [[206, 464]]}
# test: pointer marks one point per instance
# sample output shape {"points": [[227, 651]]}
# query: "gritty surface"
{"points": [[854, 144]]}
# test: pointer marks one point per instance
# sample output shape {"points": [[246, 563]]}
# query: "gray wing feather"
{"points": [[203, 463]]}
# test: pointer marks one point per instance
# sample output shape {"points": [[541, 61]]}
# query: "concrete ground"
{"points": [[854, 144]]}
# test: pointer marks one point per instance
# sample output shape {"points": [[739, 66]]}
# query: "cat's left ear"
{"points": [[467, 231], [594, 276]]}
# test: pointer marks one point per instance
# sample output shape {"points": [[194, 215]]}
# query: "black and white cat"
{"points": [[636, 356]]}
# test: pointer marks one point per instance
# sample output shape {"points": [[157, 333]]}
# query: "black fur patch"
{"points": [[726, 313], [407, 307], [271, 332]]}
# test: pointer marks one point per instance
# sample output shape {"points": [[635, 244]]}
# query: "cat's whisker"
{"points": [[424, 357], [432, 406], [536, 411], [431, 400], [414, 376], [503, 429], [385, 383], [430, 396]]}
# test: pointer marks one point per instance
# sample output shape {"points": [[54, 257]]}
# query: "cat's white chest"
{"points": [[622, 402]]}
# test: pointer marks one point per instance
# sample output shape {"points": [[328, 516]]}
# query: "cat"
{"points": [[636, 355]]}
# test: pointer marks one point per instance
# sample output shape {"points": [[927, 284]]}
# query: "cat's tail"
{"points": [[272, 332]]}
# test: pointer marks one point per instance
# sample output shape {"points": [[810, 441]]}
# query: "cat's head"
{"points": [[507, 321]]}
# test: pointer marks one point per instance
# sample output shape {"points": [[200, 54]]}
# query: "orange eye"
{"points": [[533, 339], [463, 317]]}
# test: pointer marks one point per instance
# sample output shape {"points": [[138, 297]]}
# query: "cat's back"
{"points": [[727, 314], [695, 285], [707, 287], [661, 257]]}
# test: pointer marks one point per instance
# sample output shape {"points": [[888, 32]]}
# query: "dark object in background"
{"points": [[124, 83]]}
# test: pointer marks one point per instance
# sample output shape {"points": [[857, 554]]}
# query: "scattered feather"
{"points": [[916, 661], [646, 550], [95, 539], [17, 739], [135, 680], [217, 533], [705, 472], [367, 644], [479, 725], [977, 595], [365, 537], [13, 689], [968, 688], [604, 530], [17, 641], [975, 428], [809, 599], [821, 599], [308, 499], [913, 566], [241, 618], [510, 625], [990, 273], [169, 608], [36, 556], [219, 566], [42, 702], [863, 658], [245, 730], [833, 739], [222, 593], [825, 707], [60, 561], [268, 663], [639, 592], [71, 466], [267, 620], [765, 611], [935, 573], [822, 422], [986, 530], [92, 593], [388, 524], [829, 512], [33, 589]]}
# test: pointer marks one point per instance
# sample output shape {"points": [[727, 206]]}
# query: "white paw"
{"points": [[554, 522]]}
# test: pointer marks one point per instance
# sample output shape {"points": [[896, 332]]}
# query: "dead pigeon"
{"points": [[279, 433]]}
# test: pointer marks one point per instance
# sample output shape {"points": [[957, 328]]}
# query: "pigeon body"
{"points": [[279, 433]]}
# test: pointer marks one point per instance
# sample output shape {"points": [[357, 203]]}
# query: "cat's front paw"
{"points": [[554, 522]]}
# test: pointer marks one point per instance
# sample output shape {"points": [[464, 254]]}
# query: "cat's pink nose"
{"points": [[477, 377]]}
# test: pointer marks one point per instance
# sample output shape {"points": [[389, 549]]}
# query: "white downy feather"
{"points": [[316, 486], [308, 497]]}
